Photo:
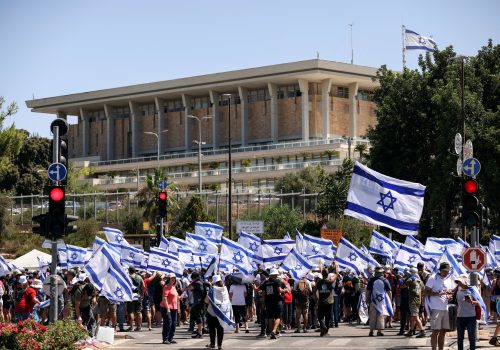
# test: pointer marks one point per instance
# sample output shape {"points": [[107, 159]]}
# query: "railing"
{"points": [[222, 171], [189, 154]]}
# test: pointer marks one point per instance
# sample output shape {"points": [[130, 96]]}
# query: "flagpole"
{"points": [[404, 48]]}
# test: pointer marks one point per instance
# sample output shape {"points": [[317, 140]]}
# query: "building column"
{"points": [[353, 109], [62, 115], [304, 90], [243, 92], [325, 107], [84, 121], [134, 117], [188, 139], [214, 100], [273, 92], [160, 112], [110, 132]]}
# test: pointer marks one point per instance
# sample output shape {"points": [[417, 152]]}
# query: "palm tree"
{"points": [[147, 195], [361, 148]]}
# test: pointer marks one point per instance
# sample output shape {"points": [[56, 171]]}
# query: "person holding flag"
{"points": [[379, 296], [219, 312]]}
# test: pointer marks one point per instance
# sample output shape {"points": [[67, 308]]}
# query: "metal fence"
{"points": [[114, 207]]}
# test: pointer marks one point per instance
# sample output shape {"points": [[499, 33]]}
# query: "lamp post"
{"points": [[230, 170], [199, 143], [158, 142]]}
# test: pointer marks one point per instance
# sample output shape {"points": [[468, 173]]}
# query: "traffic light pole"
{"points": [[53, 267]]}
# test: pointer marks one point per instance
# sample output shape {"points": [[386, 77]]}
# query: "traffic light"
{"points": [[470, 203], [70, 228], [42, 230], [162, 204], [484, 216], [56, 214], [158, 234]]}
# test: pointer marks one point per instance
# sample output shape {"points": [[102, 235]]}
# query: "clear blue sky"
{"points": [[52, 48]]}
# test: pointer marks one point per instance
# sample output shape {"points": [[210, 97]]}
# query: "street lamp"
{"points": [[158, 142], [199, 143], [230, 170]]}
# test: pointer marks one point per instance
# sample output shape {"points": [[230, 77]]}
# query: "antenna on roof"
{"points": [[352, 48], [317, 55]]}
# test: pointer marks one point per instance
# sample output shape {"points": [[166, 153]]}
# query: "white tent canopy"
{"points": [[30, 261]]}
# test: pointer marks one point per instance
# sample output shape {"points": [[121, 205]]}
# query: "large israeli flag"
{"points": [[107, 273], [200, 244], [314, 246], [5, 267], [349, 256], [209, 230], [132, 256], [371, 260], [236, 255], [415, 41], [456, 270], [113, 235], [250, 241], [274, 251], [161, 261], [407, 257], [77, 256], [164, 243], [411, 241], [220, 306], [385, 201], [176, 243], [296, 264], [381, 245], [436, 246]]}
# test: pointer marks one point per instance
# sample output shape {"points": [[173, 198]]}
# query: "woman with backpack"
{"points": [[302, 290]]}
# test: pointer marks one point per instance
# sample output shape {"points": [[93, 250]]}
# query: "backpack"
{"points": [[138, 286], [302, 292]]}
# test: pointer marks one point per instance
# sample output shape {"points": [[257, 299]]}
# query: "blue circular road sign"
{"points": [[162, 184], [471, 167], [57, 172]]}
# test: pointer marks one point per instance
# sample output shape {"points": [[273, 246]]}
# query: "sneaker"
{"points": [[273, 335], [247, 331], [493, 341], [261, 335], [380, 334], [370, 334], [401, 333], [421, 335], [165, 342], [197, 336], [409, 334]]}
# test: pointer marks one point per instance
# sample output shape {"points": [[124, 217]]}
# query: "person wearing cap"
{"points": [[85, 299], [25, 300], [415, 288], [378, 293], [168, 309], [302, 290], [325, 301], [237, 295], [218, 293], [439, 289], [466, 313], [273, 289]]}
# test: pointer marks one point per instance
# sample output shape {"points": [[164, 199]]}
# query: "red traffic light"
{"points": [[162, 196], [470, 186], [56, 194]]}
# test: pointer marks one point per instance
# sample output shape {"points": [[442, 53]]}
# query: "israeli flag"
{"points": [[107, 273], [42, 305], [210, 231], [236, 255], [200, 244], [474, 291], [77, 256], [348, 256], [274, 251], [464, 244], [161, 261], [314, 246], [382, 200], [296, 264], [164, 244], [43, 266], [144, 262], [407, 257], [132, 256], [363, 308], [220, 306], [251, 242], [381, 245], [436, 246], [62, 253], [175, 244], [98, 242], [495, 246], [380, 300], [415, 41], [116, 236], [456, 268], [5, 267], [186, 258], [299, 241], [287, 236], [395, 252], [411, 241], [371, 260]]}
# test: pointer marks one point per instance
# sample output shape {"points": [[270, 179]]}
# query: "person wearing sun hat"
{"points": [[25, 300], [466, 313], [439, 289]]}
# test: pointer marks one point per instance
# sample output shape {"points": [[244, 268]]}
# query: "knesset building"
{"points": [[284, 117]]}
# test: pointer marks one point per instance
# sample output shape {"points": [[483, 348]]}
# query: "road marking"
{"points": [[339, 342]]}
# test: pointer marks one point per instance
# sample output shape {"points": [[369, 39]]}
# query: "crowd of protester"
{"points": [[274, 300]]}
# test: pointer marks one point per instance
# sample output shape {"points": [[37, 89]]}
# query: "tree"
{"points": [[184, 220], [280, 219], [32, 162], [334, 189], [361, 148], [417, 118]]}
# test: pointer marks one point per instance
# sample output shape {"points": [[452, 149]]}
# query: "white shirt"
{"points": [[237, 293], [437, 284]]}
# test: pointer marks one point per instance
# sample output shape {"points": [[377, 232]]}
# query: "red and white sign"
{"points": [[474, 259]]}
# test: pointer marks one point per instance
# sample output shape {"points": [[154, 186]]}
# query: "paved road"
{"points": [[345, 337]]}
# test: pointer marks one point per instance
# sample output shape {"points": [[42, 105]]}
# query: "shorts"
{"points": [[414, 309], [439, 320], [493, 306], [240, 313], [274, 311], [134, 307], [146, 303], [302, 309], [197, 313], [105, 307], [249, 301]]}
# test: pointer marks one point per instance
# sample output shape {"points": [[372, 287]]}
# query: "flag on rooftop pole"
{"points": [[415, 41], [386, 201]]}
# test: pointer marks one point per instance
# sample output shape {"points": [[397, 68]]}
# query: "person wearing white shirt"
{"points": [[237, 295], [439, 289]]}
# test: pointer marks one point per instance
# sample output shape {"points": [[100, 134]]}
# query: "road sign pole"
{"points": [[473, 244], [53, 266]]}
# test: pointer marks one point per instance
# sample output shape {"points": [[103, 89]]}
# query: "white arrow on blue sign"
{"points": [[471, 167], [57, 172], [162, 184]]}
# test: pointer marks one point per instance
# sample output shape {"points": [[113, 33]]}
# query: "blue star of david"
{"points": [[379, 297], [421, 40], [381, 202], [165, 262], [118, 292], [315, 250], [412, 259], [237, 257], [416, 245], [208, 232], [119, 238], [353, 256], [192, 258], [381, 246], [278, 250], [442, 249], [298, 267], [203, 247], [208, 259], [253, 246], [74, 256], [132, 255]]}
